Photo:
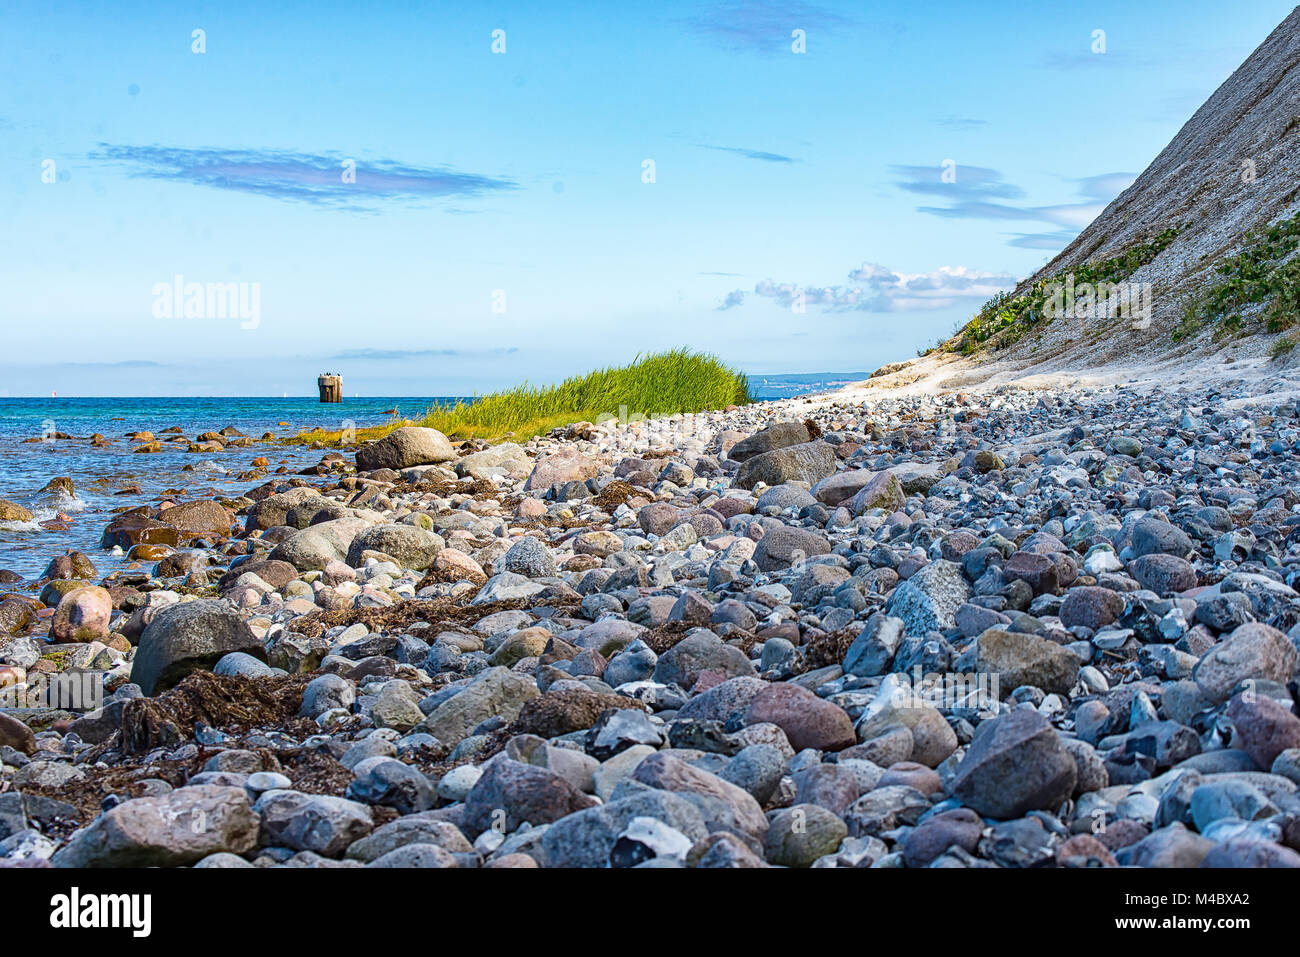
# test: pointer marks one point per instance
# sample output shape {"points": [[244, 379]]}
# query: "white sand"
{"points": [[1249, 380]]}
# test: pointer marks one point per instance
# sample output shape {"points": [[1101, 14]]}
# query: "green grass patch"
{"points": [[1006, 317], [660, 384], [1259, 288]]}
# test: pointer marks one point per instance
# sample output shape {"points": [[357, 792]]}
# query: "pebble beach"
{"points": [[999, 628]]}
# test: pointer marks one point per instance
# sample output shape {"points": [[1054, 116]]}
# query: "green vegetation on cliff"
{"points": [[1260, 288], [1006, 317]]}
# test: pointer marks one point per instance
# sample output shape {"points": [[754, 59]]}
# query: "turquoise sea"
{"points": [[101, 474]]}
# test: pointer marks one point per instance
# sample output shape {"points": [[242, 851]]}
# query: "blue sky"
{"points": [[499, 227]]}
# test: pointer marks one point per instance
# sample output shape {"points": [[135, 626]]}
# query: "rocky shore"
{"points": [[1007, 628]]}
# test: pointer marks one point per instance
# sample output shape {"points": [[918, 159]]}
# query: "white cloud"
{"points": [[1076, 215], [881, 289]]}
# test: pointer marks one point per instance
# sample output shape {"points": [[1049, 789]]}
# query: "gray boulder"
{"points": [[1020, 659], [700, 651], [404, 447], [1253, 650], [189, 636], [801, 834], [778, 435], [411, 546], [883, 491], [1151, 536], [842, 486], [510, 792], [325, 693], [810, 462], [274, 509], [786, 545], [311, 549], [928, 601], [587, 838], [388, 782], [319, 823], [171, 830], [872, 652], [418, 828], [720, 801], [528, 557], [1015, 763], [494, 692]]}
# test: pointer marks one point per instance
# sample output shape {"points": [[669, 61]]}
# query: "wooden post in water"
{"points": [[331, 387]]}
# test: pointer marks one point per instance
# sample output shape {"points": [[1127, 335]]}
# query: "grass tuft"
{"points": [[653, 385]]}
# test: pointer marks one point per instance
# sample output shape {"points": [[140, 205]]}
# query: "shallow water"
{"points": [[99, 473]]}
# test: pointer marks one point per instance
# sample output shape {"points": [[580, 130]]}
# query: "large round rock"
{"points": [[528, 557], [778, 435], [510, 792], [1016, 763], [1264, 727], [810, 462], [405, 447], [700, 651], [1090, 606], [1253, 650], [199, 518], [189, 636], [410, 545], [82, 615], [1019, 659], [1163, 574], [786, 545], [320, 823], [169, 830], [315, 547], [807, 720]]}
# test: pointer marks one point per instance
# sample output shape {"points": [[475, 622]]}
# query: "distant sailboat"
{"points": [[54, 395]]}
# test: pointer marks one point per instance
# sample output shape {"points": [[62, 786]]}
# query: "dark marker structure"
{"points": [[331, 387]]}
